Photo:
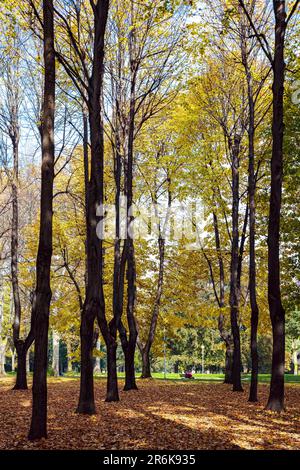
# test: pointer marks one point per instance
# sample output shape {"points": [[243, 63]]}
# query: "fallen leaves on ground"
{"points": [[160, 415]]}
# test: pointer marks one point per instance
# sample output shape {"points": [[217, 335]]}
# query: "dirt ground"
{"points": [[160, 415]]}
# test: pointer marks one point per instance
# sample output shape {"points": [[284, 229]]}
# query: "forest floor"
{"points": [[161, 415]]}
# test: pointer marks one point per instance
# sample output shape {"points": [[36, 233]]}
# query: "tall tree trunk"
{"points": [[129, 342], [145, 350], [129, 352], [55, 354], [228, 362], [295, 361], [86, 180], [251, 195], [252, 268], [146, 369], [13, 361], [97, 367], [234, 291], [2, 358], [27, 361], [69, 356], [225, 335], [277, 313], [112, 379], [2, 342], [20, 346], [21, 379], [42, 298], [94, 305]]}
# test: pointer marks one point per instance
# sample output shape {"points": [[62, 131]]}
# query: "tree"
{"points": [[94, 302], [277, 313], [137, 93], [42, 295], [227, 110], [11, 109], [162, 225]]}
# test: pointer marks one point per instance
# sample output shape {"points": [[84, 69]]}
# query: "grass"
{"points": [[262, 378]]}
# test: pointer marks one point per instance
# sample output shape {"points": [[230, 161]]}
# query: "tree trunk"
{"points": [[2, 342], [295, 362], [55, 355], [28, 362], [277, 313], [69, 356], [130, 382], [145, 350], [2, 357], [94, 305], [97, 367], [234, 291], [86, 180], [13, 364], [228, 363], [42, 298], [146, 370], [129, 352], [225, 335], [128, 343], [19, 344], [112, 393], [21, 379], [86, 404], [251, 195], [128, 346]]}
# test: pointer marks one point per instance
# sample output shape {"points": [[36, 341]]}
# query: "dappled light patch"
{"points": [[25, 403]]}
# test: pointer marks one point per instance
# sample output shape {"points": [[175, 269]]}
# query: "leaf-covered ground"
{"points": [[161, 415]]}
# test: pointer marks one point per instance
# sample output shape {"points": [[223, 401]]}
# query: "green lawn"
{"points": [[262, 378]]}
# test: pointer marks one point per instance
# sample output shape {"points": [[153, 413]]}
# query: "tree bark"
{"points": [[28, 362], [55, 355], [234, 291], [145, 350], [277, 313], [128, 342], [13, 361], [228, 363], [295, 361], [2, 342], [20, 345], [112, 379], [86, 180], [129, 351], [21, 379], [2, 357], [42, 297], [94, 305], [69, 355], [225, 335], [146, 369], [97, 367], [251, 196]]}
